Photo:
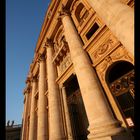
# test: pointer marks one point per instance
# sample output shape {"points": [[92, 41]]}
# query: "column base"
{"points": [[104, 138], [104, 131], [61, 139], [121, 136], [69, 138]]}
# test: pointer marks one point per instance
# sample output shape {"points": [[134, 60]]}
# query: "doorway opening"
{"points": [[120, 79], [78, 117]]}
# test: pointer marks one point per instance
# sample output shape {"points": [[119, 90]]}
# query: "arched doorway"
{"points": [[120, 79]]}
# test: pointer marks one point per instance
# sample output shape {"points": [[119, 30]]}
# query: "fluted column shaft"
{"points": [[24, 128], [32, 127], [55, 117], [119, 18], [101, 121], [42, 112], [67, 115]]}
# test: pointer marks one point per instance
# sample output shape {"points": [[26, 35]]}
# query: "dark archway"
{"points": [[120, 79], [117, 70]]}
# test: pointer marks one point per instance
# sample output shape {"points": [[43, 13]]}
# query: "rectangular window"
{"points": [[93, 29]]}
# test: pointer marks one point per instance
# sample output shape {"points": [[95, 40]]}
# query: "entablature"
{"points": [[47, 21]]}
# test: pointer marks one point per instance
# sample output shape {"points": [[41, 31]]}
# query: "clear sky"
{"points": [[24, 19]]}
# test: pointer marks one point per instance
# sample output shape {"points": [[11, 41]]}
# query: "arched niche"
{"points": [[78, 12], [120, 80]]}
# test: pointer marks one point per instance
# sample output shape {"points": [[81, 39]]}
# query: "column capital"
{"points": [[63, 12], [34, 78], [26, 90], [28, 80], [41, 57], [49, 42]]}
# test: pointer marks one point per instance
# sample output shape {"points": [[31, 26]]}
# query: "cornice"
{"points": [[51, 14], [47, 21]]}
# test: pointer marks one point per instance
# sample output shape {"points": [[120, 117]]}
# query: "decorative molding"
{"points": [[108, 45], [120, 54], [61, 51], [123, 84], [74, 4], [49, 14], [65, 63], [101, 68]]}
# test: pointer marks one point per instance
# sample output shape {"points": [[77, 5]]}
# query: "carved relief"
{"points": [[119, 54], [62, 49], [57, 39], [65, 63], [107, 46], [103, 66], [123, 84]]}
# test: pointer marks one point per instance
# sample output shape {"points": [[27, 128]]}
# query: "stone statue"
{"points": [[12, 123], [8, 123]]}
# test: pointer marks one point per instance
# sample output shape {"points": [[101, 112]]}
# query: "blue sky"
{"points": [[24, 19]]}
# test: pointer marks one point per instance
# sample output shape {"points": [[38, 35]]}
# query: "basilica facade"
{"points": [[80, 84]]}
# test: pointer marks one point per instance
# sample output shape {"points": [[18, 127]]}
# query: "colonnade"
{"points": [[102, 124]]}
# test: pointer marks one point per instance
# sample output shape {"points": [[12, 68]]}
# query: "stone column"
{"points": [[42, 112], [33, 120], [101, 121], [119, 18], [24, 125], [56, 131], [67, 115]]}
